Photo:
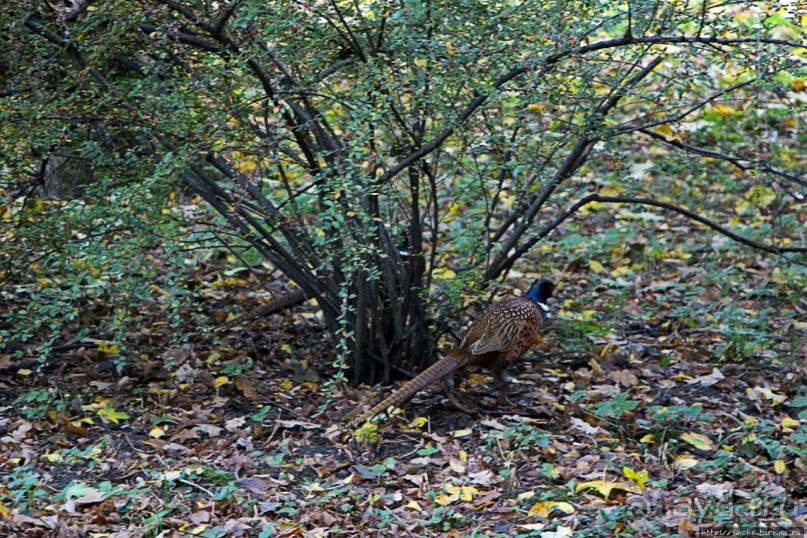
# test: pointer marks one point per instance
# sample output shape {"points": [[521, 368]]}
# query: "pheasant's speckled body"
{"points": [[504, 332]]}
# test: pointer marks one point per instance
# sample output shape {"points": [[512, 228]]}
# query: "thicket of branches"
{"points": [[372, 149]]}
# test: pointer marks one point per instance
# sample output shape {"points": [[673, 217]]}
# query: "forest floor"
{"points": [[669, 395]]}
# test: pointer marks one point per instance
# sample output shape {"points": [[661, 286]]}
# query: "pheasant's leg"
{"points": [[463, 404], [503, 385], [507, 384]]}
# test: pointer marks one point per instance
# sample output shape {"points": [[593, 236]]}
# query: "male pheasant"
{"points": [[504, 332]]}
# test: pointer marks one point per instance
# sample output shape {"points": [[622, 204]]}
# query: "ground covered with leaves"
{"points": [[669, 392], [668, 395]]}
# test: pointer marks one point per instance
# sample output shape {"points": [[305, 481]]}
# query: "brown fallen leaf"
{"points": [[247, 387], [253, 484], [626, 378]]}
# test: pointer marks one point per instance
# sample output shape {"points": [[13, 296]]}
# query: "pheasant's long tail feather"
{"points": [[451, 362]]}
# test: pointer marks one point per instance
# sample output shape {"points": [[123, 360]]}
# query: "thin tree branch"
{"points": [[626, 128], [576, 158], [546, 64], [759, 164], [772, 249], [560, 219]]}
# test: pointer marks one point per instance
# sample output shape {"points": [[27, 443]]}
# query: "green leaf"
{"points": [[616, 406], [801, 401]]}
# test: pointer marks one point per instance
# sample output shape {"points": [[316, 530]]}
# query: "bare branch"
{"points": [[626, 128], [576, 158], [560, 219], [740, 162], [547, 63]]}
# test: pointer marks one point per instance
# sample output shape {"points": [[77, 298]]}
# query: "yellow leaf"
{"points": [[444, 273], [604, 487], [565, 507], [52, 457], [649, 438], [287, 384], [443, 500], [760, 196], [788, 424], [24, 372], [610, 190], [221, 380], [419, 422], [684, 462], [420, 62], [82, 421], [414, 505], [545, 508], [228, 282], [664, 129], [601, 486], [596, 266], [156, 432], [476, 379], [450, 49], [467, 493], [109, 414], [723, 110], [536, 107], [456, 466], [104, 347], [286, 348], [462, 433], [779, 466], [367, 433], [622, 270], [463, 456], [5, 513], [591, 207], [699, 441], [541, 509], [638, 477]]}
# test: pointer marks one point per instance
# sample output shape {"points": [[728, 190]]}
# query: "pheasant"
{"points": [[504, 332]]}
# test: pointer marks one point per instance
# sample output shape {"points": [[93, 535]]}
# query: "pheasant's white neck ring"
{"points": [[543, 306]]}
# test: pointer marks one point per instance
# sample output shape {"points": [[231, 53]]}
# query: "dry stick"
{"points": [[287, 300]]}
